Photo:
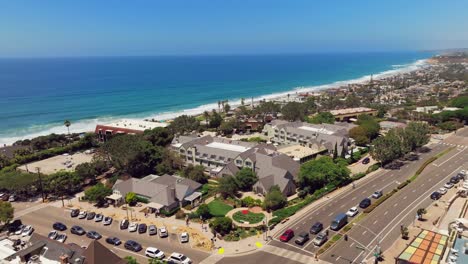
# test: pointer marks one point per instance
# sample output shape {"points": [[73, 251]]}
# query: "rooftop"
{"points": [[316, 129], [427, 247], [226, 146], [351, 110], [298, 151]]}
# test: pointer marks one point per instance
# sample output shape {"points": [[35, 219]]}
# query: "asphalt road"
{"points": [[43, 219], [258, 258], [383, 223], [386, 181]]}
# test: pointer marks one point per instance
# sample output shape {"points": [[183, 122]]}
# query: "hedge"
{"points": [[379, 201], [170, 213]]}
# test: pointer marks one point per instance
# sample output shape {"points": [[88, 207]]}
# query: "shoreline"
{"points": [[88, 125]]}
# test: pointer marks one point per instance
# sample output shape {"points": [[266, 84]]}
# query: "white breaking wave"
{"points": [[88, 125]]}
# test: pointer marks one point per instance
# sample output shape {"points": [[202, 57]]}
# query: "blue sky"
{"points": [[154, 27]]}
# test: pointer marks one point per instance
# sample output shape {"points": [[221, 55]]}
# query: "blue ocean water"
{"points": [[38, 94]]}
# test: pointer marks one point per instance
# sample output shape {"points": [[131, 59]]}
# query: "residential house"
{"points": [[165, 192], [127, 126]]}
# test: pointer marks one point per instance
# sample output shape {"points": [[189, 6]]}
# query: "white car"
{"points": [[463, 172], [19, 230], [52, 234], [465, 185], [179, 258], [133, 227], [153, 252], [12, 198], [163, 232], [107, 220], [82, 215], [442, 190], [27, 231], [184, 237], [61, 238], [448, 185], [352, 211]]}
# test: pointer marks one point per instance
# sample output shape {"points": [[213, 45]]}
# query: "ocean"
{"points": [[38, 94]]}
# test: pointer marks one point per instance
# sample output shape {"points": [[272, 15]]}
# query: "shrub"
{"points": [[180, 214], [169, 213], [250, 202], [222, 225], [204, 211], [358, 176], [373, 167]]}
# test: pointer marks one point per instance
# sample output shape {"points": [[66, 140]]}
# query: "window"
{"points": [[248, 164], [189, 152], [182, 150], [239, 162]]}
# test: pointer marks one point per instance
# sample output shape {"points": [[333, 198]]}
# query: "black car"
{"points": [[366, 160], [435, 196], [460, 176], [13, 226], [454, 179], [141, 228], [93, 235], [113, 241], [74, 213], [302, 238], [124, 224], [91, 216], [133, 246], [59, 226], [77, 230], [365, 203], [316, 228]]}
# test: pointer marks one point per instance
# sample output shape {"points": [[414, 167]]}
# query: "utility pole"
{"points": [[40, 183]]}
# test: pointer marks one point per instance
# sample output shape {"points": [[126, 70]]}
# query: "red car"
{"points": [[287, 235]]}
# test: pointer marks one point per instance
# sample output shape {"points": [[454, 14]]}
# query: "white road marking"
{"points": [[354, 198], [365, 231], [351, 245], [404, 198], [330, 214], [395, 205], [386, 212], [375, 222]]}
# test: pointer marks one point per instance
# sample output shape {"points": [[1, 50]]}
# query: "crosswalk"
{"points": [[453, 145], [298, 257], [212, 259]]}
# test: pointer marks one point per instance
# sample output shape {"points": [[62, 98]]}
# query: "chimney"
{"points": [[63, 259]]}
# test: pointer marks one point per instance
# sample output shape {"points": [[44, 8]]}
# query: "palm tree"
{"points": [[67, 124], [219, 105], [207, 115]]}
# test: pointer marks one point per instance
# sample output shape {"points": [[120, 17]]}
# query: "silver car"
{"points": [[152, 230]]}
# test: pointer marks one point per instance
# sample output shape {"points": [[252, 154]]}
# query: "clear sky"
{"points": [[157, 27]]}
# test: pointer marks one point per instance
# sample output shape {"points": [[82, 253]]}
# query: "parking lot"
{"points": [[43, 219]]}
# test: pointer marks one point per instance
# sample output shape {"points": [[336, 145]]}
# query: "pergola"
{"points": [[194, 197]]}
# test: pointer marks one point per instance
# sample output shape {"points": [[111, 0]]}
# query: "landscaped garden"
{"points": [[245, 216], [219, 208]]}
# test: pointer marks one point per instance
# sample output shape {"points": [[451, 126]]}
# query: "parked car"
{"points": [[27, 231], [61, 238], [179, 258], [352, 211], [113, 241], [302, 238], [98, 218], [12, 198], [142, 228], [133, 227], [377, 194], [107, 220], [465, 185], [460, 176], [90, 216], [52, 234], [74, 212], [442, 190], [366, 160], [454, 179], [77, 230], [184, 237], [82, 215], [153, 252], [463, 172], [133, 246], [365, 203], [19, 230], [152, 230], [13, 226], [339, 221], [93, 235], [163, 232], [435, 196], [59, 226], [316, 228], [124, 224], [287, 235], [320, 239], [448, 185], [5, 197]]}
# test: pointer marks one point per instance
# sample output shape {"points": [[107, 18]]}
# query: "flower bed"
{"points": [[251, 218]]}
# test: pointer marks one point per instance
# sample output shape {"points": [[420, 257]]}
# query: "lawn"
{"points": [[250, 217], [219, 208]]}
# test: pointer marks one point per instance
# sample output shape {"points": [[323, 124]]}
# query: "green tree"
{"points": [[227, 186], [183, 124], [370, 125], [322, 118], [226, 128], [159, 136], [222, 225], [421, 212], [63, 183], [274, 199], [359, 134], [215, 119], [204, 211], [293, 111], [195, 173], [131, 198], [227, 108], [317, 173], [335, 151], [460, 101], [6, 212], [130, 260], [246, 178], [98, 193], [67, 124], [387, 148]]}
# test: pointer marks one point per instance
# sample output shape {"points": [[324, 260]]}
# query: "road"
{"points": [[383, 223], [386, 181], [42, 220]]}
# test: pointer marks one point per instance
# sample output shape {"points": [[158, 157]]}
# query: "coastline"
{"points": [[88, 125]]}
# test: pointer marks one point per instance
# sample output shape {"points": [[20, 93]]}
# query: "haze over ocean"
{"points": [[38, 94]]}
